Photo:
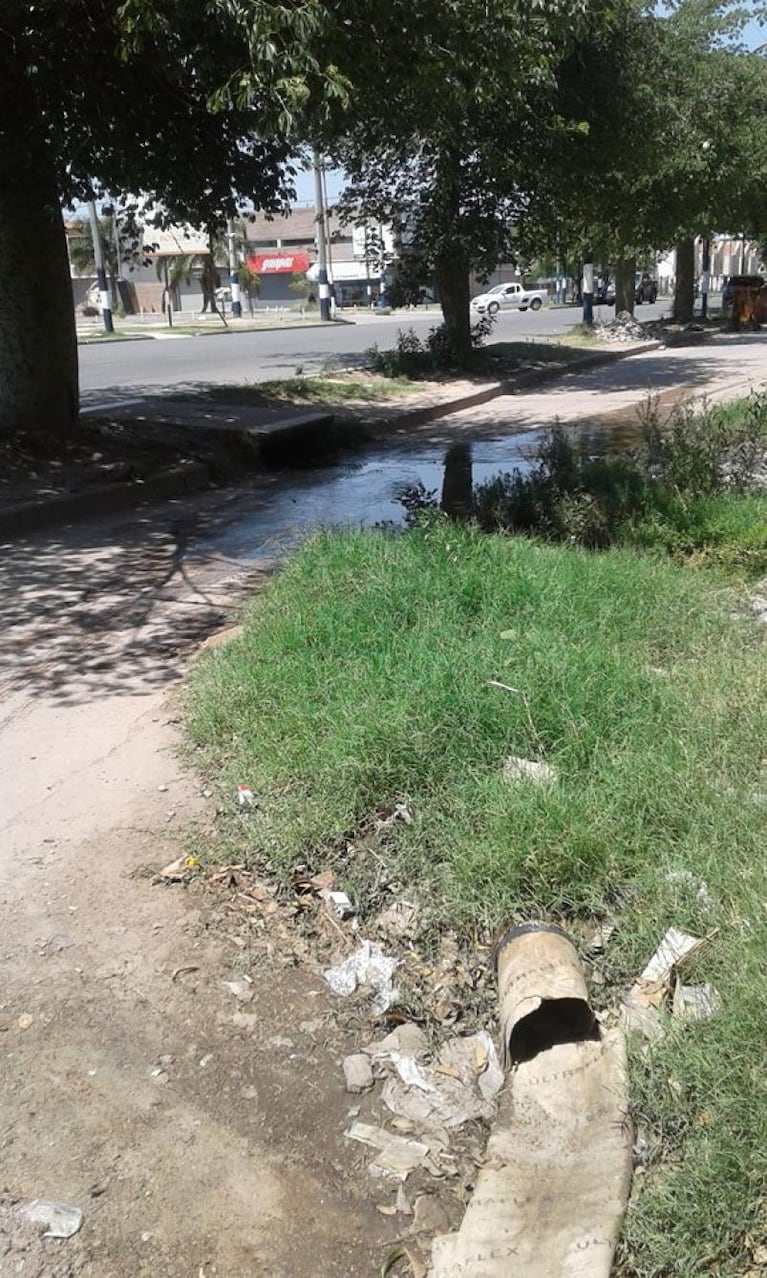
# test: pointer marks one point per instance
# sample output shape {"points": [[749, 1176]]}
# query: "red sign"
{"points": [[278, 263]]}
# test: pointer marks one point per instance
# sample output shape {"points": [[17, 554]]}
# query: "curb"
{"points": [[104, 499], [524, 381], [212, 332]]}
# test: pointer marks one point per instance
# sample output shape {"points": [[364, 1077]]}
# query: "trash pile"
{"points": [[622, 328], [429, 1094]]}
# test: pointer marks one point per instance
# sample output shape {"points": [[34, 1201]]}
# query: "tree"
{"points": [[450, 102], [670, 141], [135, 95]]}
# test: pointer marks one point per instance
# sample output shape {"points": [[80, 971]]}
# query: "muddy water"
{"points": [[368, 490]]}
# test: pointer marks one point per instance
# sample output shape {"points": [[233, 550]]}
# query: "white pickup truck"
{"points": [[505, 296]]}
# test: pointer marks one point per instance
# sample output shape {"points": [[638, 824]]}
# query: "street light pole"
{"points": [[234, 278], [704, 277], [322, 259], [101, 275]]}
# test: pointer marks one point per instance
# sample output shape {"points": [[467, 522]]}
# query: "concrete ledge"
{"points": [[103, 499]]}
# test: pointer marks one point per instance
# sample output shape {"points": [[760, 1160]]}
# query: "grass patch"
{"points": [[320, 388], [362, 677]]}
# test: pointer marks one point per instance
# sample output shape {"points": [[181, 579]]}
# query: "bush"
{"points": [[412, 357], [677, 493]]}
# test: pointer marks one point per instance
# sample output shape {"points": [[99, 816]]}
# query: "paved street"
{"points": [[124, 370]]}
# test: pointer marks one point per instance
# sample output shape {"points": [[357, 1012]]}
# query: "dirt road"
{"points": [[192, 1145]]}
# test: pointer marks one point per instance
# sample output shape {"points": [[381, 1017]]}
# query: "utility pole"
{"points": [[101, 275], [328, 243], [322, 259], [704, 277], [588, 289], [234, 278]]}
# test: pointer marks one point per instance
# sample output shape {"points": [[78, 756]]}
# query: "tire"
{"points": [[493, 309], [535, 305]]}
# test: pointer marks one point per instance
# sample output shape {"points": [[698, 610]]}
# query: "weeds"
{"points": [[413, 357], [682, 492]]}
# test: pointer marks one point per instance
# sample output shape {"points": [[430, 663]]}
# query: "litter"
{"points": [[367, 966], [641, 1003], [410, 1072], [25, 1021], [245, 796], [179, 869], [695, 1002], [551, 1194], [62, 1220], [459, 1086], [338, 902], [517, 770], [358, 1072], [397, 1155]]}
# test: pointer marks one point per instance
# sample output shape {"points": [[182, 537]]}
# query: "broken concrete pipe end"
{"points": [[542, 992]]}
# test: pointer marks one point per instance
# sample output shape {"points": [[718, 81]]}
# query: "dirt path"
{"points": [[193, 1145]]}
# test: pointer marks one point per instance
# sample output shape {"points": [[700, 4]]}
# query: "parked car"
{"points": [[506, 297], [645, 288], [604, 293]]}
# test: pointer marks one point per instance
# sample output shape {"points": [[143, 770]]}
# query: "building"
{"points": [[283, 250]]}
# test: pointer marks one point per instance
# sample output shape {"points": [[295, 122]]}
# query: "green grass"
{"points": [[362, 676]]}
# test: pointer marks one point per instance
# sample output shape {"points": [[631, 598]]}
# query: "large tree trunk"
{"points": [[451, 272], [38, 340], [625, 272], [684, 291]]}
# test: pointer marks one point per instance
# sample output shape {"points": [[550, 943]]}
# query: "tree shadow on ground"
{"points": [[106, 609]]}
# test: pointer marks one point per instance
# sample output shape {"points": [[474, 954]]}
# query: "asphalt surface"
{"points": [[117, 371]]}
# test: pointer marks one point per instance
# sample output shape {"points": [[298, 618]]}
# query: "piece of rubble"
{"points": [[358, 1072], [517, 770], [409, 1039]]}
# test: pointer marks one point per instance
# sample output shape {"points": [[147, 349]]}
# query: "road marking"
{"points": [[111, 403]]}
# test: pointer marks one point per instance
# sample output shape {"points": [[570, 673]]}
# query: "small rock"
{"points": [[163, 789], [517, 770], [245, 1020], [358, 1073]]}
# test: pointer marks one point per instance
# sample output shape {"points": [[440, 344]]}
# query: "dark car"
{"points": [[645, 289]]}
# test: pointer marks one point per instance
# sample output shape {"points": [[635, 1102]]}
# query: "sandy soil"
{"points": [[193, 1144]]}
